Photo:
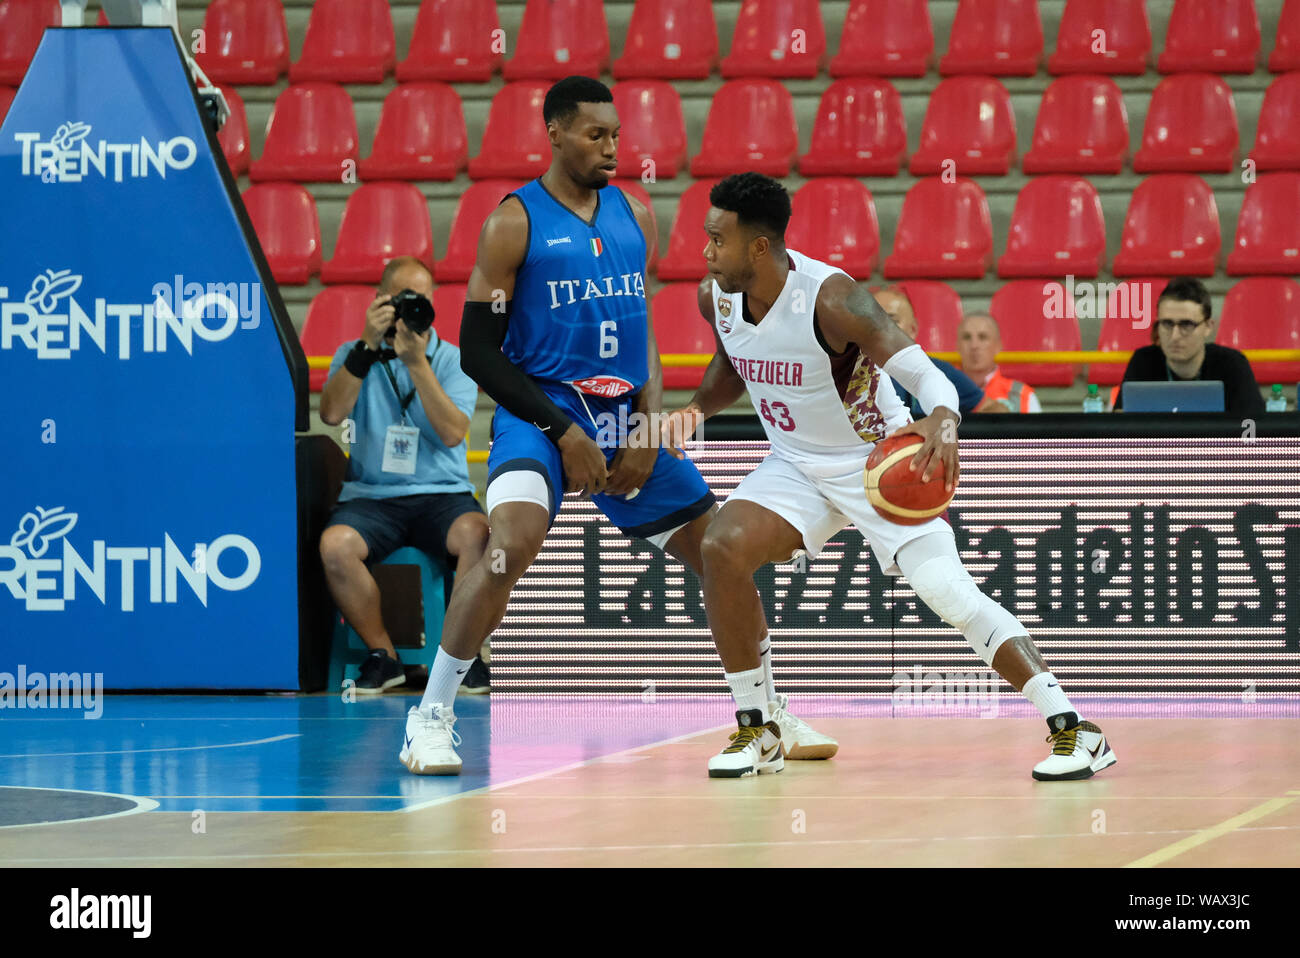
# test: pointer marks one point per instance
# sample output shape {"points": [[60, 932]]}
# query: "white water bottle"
{"points": [[1093, 402]]}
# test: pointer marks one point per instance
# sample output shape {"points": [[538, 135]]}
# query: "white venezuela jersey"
{"points": [[818, 409]]}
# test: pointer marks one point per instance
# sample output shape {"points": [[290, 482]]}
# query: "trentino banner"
{"points": [[147, 497]]}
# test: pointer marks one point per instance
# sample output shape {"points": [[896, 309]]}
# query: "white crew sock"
{"points": [[1045, 692], [445, 677], [747, 688], [765, 656]]}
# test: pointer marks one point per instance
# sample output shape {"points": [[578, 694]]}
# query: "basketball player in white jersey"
{"points": [[817, 353]]}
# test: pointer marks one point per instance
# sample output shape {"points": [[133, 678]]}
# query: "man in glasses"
{"points": [[1182, 350]]}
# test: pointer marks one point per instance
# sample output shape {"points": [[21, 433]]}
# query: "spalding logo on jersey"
{"points": [[610, 387]]}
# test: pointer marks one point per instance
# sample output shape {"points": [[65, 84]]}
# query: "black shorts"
{"points": [[421, 521]]}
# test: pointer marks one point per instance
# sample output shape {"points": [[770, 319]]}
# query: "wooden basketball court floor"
{"points": [[314, 781]]}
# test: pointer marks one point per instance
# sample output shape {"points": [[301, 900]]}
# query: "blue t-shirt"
{"points": [[969, 395], [438, 468], [578, 312]]}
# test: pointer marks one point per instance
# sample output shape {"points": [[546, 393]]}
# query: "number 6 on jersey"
{"points": [[608, 338]]}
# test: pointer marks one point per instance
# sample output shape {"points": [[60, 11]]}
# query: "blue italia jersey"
{"points": [[578, 313]]}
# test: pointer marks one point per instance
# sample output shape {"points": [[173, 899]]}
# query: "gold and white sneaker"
{"points": [[755, 749], [1079, 751], [799, 740], [431, 737]]}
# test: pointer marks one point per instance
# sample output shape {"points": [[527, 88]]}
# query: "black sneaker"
{"points": [[379, 672], [477, 679]]}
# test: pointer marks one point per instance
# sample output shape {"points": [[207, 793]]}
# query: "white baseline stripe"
{"points": [[556, 771], [138, 751]]}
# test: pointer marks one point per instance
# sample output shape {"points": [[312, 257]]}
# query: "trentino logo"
{"points": [[51, 323], [45, 584], [68, 157]]}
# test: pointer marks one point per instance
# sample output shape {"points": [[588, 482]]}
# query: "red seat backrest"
{"points": [[650, 113], [336, 315], [669, 39], [885, 38], [1082, 127], [1218, 36], [247, 41], [454, 41], [1032, 319], [834, 220], [777, 38], [999, 37], [1102, 36], [679, 328], [1263, 312], [21, 26]]}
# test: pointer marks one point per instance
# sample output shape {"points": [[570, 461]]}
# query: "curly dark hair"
{"points": [[1186, 289], [759, 202], [561, 103]]}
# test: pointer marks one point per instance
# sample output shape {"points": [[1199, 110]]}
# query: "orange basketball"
{"points": [[898, 493]]}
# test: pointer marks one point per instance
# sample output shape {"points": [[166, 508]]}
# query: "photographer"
{"points": [[408, 481]]}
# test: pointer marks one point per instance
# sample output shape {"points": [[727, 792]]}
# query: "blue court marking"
{"points": [[308, 753]]}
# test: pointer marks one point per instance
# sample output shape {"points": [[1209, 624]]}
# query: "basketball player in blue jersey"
{"points": [[556, 330], [817, 355]]}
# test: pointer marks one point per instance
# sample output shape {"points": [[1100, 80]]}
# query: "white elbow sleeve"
{"points": [[912, 369]]}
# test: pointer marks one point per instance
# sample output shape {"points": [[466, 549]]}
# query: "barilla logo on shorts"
{"points": [[606, 386]]}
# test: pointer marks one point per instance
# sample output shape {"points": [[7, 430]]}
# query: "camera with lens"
{"points": [[414, 310]]}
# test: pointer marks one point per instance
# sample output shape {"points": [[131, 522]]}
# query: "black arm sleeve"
{"points": [[482, 331]]}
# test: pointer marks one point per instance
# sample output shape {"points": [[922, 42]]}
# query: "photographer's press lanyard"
{"points": [[402, 442]]}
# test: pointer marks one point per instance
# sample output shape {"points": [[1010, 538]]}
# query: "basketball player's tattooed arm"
{"points": [[720, 387], [634, 461], [502, 246], [846, 312]]}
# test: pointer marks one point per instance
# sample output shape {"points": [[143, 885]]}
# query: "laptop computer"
{"points": [[1192, 396]]}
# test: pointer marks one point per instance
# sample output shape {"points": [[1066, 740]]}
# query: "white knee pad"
{"points": [[518, 485], [943, 584]]}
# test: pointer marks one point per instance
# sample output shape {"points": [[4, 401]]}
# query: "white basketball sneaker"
{"points": [[755, 749], [800, 741], [1077, 752], [430, 743]]}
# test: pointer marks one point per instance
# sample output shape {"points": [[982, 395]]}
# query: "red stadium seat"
{"points": [[381, 221], [515, 142], [669, 40], [1172, 228], [650, 112], [22, 22], [336, 315], [247, 42], [421, 135], [679, 328], [1125, 38], [1268, 228], [751, 126], [968, 120], [1191, 127], [834, 220], [472, 211], [777, 38], [284, 218], [1127, 325], [1057, 229], [685, 256], [6, 97], [1211, 36], [348, 41], [454, 41], [938, 313], [1286, 52], [1277, 137], [890, 38], [994, 37], [234, 135], [1263, 312], [635, 189], [943, 231], [859, 130], [560, 38], [311, 134], [1082, 127], [448, 307], [1025, 314]]}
